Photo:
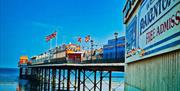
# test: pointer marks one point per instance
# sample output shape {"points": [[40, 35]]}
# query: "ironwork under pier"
{"points": [[72, 77]]}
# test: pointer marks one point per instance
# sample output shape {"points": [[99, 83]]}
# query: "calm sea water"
{"points": [[9, 81]]}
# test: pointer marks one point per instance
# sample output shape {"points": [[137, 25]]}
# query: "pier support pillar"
{"points": [[79, 79], [63, 79], [49, 79], [101, 78], [37, 73], [20, 73], [53, 79], [31, 74], [41, 79], [68, 79], [42, 70], [84, 79], [75, 80], [59, 84], [26, 73], [94, 80], [110, 75], [45, 78], [34, 73]]}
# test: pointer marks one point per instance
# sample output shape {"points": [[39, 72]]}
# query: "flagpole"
{"points": [[56, 37], [50, 44]]}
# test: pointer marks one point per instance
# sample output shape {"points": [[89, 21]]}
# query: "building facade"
{"points": [[109, 50], [60, 54], [152, 52]]}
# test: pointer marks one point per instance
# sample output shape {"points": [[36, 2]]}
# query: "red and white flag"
{"points": [[87, 38], [51, 36], [80, 39]]}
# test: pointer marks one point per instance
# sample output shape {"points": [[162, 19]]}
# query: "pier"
{"points": [[70, 68], [73, 77]]}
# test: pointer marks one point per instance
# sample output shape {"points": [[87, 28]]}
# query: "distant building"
{"points": [[109, 50]]}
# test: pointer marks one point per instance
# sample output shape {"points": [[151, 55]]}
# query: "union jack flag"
{"points": [[80, 39], [51, 36]]}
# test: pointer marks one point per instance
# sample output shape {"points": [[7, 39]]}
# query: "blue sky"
{"points": [[25, 23]]}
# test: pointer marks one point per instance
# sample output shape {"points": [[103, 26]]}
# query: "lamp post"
{"points": [[116, 37], [91, 48]]}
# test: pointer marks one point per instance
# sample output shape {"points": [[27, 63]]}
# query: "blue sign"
{"points": [[158, 30]]}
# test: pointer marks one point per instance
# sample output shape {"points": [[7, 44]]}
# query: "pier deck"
{"points": [[91, 66]]}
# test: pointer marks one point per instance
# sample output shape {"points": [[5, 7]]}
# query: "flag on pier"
{"points": [[51, 36], [87, 38], [80, 39]]}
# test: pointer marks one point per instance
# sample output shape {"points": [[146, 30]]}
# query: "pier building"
{"points": [[109, 50]]}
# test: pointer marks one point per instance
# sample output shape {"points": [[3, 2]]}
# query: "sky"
{"points": [[25, 23]]}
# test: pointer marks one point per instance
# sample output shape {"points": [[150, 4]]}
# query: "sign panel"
{"points": [[158, 25]]}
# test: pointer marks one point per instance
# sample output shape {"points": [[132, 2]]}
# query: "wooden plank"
{"points": [[158, 73]]}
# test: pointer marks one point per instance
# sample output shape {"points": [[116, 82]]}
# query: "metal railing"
{"points": [[119, 60], [64, 61]]}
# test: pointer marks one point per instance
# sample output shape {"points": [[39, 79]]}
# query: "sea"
{"points": [[9, 81]]}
